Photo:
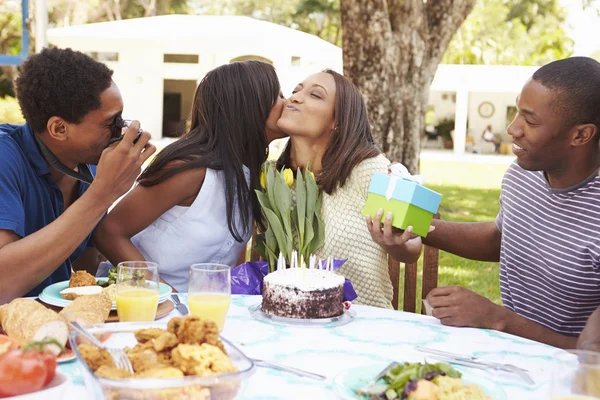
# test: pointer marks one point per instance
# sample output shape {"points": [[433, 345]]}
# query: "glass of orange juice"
{"points": [[137, 290], [576, 375], [209, 293]]}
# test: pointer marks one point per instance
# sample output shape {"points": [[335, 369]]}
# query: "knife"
{"points": [[179, 305]]}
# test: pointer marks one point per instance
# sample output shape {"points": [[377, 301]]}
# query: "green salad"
{"points": [[416, 381], [398, 377], [112, 278]]}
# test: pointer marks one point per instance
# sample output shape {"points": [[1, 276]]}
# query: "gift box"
{"points": [[411, 204]]}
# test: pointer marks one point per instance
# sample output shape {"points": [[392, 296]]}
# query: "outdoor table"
{"points": [[374, 336]]}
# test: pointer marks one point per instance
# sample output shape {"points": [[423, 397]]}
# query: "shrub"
{"points": [[10, 112]]}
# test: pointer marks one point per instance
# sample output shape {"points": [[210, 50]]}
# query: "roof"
{"points": [[195, 28], [481, 78]]}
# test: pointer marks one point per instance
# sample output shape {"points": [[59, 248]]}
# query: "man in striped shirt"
{"points": [[546, 235]]}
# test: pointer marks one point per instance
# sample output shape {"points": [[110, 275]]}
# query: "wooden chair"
{"points": [[430, 278], [430, 275]]}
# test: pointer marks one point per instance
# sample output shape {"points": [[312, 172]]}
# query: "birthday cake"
{"points": [[303, 293]]}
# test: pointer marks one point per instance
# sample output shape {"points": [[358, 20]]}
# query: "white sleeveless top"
{"points": [[183, 236]]}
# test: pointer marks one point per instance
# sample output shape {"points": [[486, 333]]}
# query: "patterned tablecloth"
{"points": [[374, 336]]}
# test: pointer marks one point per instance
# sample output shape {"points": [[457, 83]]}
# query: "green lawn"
{"points": [[470, 194]]}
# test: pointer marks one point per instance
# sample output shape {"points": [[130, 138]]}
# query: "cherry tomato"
{"points": [[50, 363], [21, 373]]}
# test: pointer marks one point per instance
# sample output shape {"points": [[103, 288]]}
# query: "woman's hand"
{"points": [[403, 246], [387, 235]]}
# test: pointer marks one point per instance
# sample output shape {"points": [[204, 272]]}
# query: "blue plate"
{"points": [[347, 382], [51, 294]]}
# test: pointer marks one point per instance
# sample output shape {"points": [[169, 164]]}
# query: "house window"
{"points": [[104, 56], [181, 58]]}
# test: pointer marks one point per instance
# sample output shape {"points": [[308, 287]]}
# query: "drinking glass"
{"points": [[576, 375], [209, 293], [137, 290]]}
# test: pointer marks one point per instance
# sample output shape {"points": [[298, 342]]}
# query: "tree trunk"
{"points": [[391, 53], [149, 7]]}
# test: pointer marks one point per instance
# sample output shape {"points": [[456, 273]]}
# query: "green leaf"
{"points": [[300, 208], [270, 179], [275, 225], [283, 201], [265, 202], [260, 245], [271, 249], [309, 235], [319, 227], [312, 192]]}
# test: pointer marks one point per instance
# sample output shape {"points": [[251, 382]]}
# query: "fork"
{"points": [[118, 355], [474, 362]]}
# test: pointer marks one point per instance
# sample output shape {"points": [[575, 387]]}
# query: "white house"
{"points": [[475, 96], [158, 61]]}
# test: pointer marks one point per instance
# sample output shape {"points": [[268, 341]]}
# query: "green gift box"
{"points": [[411, 204]]}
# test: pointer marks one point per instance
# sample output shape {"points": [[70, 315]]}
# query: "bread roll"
{"points": [[21, 319]]}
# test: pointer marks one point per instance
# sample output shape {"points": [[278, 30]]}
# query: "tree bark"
{"points": [[149, 7], [391, 51]]}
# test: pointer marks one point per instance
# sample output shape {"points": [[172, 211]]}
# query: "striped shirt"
{"points": [[550, 253]]}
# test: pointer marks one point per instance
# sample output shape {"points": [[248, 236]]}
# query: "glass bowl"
{"points": [[120, 335]]}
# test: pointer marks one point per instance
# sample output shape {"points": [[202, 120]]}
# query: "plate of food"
{"points": [[61, 294], [303, 296], [420, 381], [182, 358]]}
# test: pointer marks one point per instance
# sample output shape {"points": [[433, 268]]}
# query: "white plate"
{"points": [[54, 390], [343, 319], [348, 381], [51, 294]]}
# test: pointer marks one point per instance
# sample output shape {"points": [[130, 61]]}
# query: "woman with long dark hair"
{"points": [[195, 202], [326, 119]]}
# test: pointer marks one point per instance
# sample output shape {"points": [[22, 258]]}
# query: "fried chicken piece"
{"points": [[140, 347], [183, 393], [166, 341], [161, 372], [164, 357], [95, 357], [113, 372], [204, 359], [193, 330], [82, 278], [144, 335], [143, 360]]}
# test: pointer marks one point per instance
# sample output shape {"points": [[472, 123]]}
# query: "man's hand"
{"points": [[121, 164], [457, 306]]}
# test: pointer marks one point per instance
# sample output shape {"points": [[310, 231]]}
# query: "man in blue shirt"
{"points": [[50, 202]]}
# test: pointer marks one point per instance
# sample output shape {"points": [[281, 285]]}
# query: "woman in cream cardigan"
{"points": [[326, 119]]}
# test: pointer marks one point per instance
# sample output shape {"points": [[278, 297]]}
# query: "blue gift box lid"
{"points": [[407, 191]]}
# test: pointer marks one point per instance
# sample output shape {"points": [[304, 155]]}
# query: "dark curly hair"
{"points": [[62, 83]]}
